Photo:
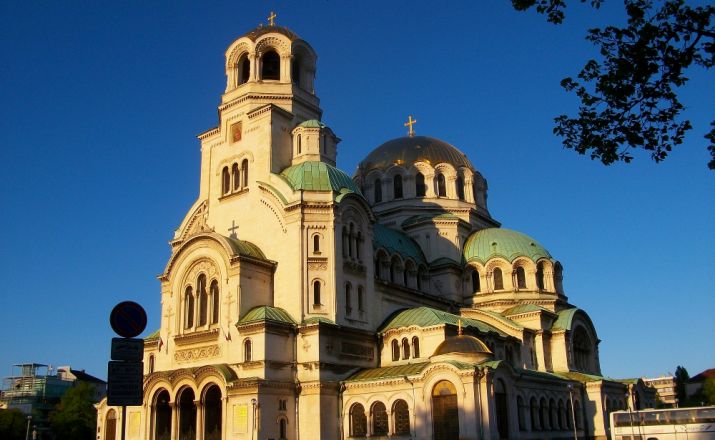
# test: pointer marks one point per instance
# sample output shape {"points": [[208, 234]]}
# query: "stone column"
{"points": [[468, 192], [253, 59], [285, 68], [174, 420], [199, 419]]}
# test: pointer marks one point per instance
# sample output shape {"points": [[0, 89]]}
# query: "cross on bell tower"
{"points": [[410, 122], [272, 19]]}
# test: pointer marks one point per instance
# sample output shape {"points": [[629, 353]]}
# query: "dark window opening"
{"points": [[420, 188], [498, 281], [397, 186], [520, 278], [271, 68], [378, 191], [460, 187]]}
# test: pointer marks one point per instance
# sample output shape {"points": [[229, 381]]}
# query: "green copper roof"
{"points": [[396, 242], [267, 313], [312, 123], [317, 319], [246, 248], [488, 243], [388, 372], [564, 319], [428, 317], [153, 335], [583, 377], [318, 176]]}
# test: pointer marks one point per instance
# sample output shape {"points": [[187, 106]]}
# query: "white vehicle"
{"points": [[664, 424]]}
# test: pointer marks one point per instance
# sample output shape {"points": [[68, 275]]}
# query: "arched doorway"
{"points": [[212, 413], [445, 415], [502, 410], [187, 415], [162, 416], [110, 426]]}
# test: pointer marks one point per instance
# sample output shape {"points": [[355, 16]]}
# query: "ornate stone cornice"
{"points": [[196, 337]]}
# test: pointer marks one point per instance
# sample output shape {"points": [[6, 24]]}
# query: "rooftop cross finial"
{"points": [[272, 19], [410, 122], [459, 327]]}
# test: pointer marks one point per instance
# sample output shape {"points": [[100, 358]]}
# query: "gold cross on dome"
{"points": [[410, 122], [272, 19]]}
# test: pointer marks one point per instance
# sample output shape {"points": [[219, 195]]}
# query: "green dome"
{"points": [[318, 176], [488, 243], [312, 123]]}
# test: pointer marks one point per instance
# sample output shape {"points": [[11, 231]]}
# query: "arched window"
{"points": [[561, 413], [498, 281], [348, 299], [300, 146], [162, 415], [361, 303], [225, 181], [358, 421], [203, 299], [395, 350], [502, 408], [187, 413], [295, 69], [110, 426], [244, 69], [212, 413], [520, 278], [351, 236], [521, 414], [397, 186], [271, 65], [582, 349], [475, 281], [552, 415], [445, 413], [405, 348], [358, 244], [316, 293], [247, 351], [244, 173], [420, 188], [540, 276], [189, 308], [378, 190], [214, 302], [401, 417], [151, 363], [346, 241], [569, 415], [316, 244], [282, 429], [543, 414], [415, 347], [236, 177], [441, 186], [378, 415], [579, 416], [459, 186], [534, 412]]}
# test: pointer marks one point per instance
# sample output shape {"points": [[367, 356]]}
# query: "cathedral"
{"points": [[302, 303]]}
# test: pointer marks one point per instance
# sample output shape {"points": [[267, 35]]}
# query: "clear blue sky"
{"points": [[101, 103]]}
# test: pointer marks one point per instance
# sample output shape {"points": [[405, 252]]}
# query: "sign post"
{"points": [[125, 370]]}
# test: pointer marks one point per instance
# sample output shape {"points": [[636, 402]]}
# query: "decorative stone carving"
{"points": [[194, 354]]}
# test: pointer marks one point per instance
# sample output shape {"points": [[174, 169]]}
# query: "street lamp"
{"points": [[27, 431], [573, 412]]}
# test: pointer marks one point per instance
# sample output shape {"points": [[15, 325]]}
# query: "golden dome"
{"points": [[405, 151], [463, 344]]}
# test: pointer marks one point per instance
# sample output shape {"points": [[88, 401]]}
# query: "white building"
{"points": [[299, 302]]}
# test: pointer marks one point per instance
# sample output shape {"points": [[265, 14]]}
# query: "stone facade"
{"points": [[299, 302]]}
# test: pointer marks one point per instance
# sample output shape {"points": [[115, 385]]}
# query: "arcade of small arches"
{"points": [[201, 303], [398, 271], [234, 179], [405, 348], [380, 422], [522, 274], [423, 181], [189, 412], [352, 241], [271, 59], [349, 300]]}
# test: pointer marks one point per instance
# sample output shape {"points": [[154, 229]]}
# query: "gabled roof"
{"points": [[394, 241], [267, 313], [525, 308], [318, 319], [318, 176], [707, 374], [428, 317], [153, 335]]}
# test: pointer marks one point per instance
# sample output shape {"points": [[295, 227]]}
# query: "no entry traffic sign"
{"points": [[128, 319]]}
